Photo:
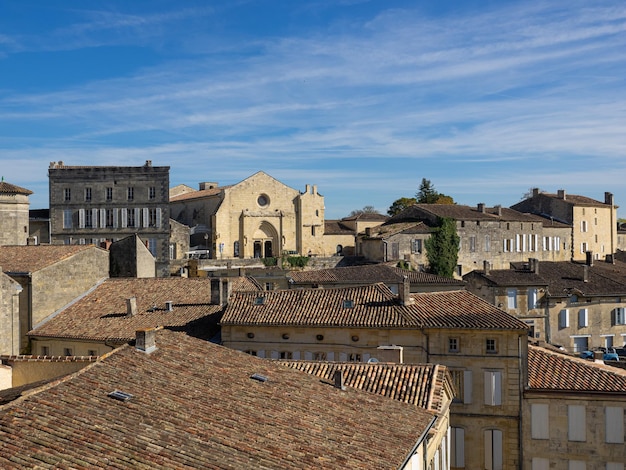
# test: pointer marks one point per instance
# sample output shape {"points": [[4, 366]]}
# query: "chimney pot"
{"points": [[561, 194], [481, 207], [405, 292], [608, 198], [535, 192], [131, 307], [145, 340], [339, 383], [486, 267], [169, 306]]}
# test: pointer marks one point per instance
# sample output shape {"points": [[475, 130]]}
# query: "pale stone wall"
{"points": [[595, 229], [28, 371], [14, 219], [558, 449], [9, 315], [77, 347]]}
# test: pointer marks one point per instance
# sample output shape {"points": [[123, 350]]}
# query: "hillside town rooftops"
{"points": [[461, 212], [108, 314], [193, 404], [553, 371]]}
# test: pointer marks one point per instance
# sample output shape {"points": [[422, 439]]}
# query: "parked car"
{"points": [[608, 354]]}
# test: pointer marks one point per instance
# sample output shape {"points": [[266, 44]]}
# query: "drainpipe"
{"points": [[423, 440], [546, 323]]}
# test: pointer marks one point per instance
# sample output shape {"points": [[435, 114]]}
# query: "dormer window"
{"points": [[347, 303], [259, 300]]}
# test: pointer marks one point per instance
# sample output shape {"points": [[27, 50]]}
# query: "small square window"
{"points": [[354, 357], [491, 346], [286, 355], [453, 344], [92, 352], [67, 352], [45, 351], [348, 303]]}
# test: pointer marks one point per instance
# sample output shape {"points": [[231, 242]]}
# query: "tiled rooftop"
{"points": [[548, 370], [336, 227], [417, 384], [8, 188], [195, 405], [460, 212], [199, 194], [385, 231], [374, 306], [32, 258], [371, 273], [101, 314]]}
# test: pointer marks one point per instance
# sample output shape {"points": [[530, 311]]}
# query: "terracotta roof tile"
{"points": [[548, 370], [194, 405], [8, 188], [101, 314], [417, 384], [373, 306], [31, 258], [336, 227], [199, 194], [459, 212]]}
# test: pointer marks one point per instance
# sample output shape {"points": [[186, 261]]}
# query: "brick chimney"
{"points": [[339, 381], [535, 192], [561, 194], [145, 340], [486, 267], [404, 292], [608, 198], [589, 258], [131, 307], [481, 207]]}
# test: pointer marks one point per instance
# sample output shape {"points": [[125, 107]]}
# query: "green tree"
{"points": [[442, 248], [400, 204], [427, 194]]}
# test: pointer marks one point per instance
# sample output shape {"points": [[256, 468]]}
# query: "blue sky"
{"points": [[362, 98]]}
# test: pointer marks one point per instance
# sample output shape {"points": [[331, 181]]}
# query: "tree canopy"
{"points": [[442, 248], [400, 204], [365, 210], [427, 194]]}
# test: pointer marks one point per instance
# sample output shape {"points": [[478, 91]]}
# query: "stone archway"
{"points": [[266, 241]]}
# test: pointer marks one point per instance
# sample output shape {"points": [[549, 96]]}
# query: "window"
{"points": [[269, 286], [67, 352], [472, 243], [618, 316], [491, 346], [45, 351], [416, 246], [152, 192], [286, 355], [67, 218], [583, 318], [583, 247], [508, 245], [457, 447], [518, 244], [462, 380], [493, 449], [67, 194], [87, 194], [347, 303], [576, 465], [109, 194], [564, 318], [354, 357], [614, 417], [532, 242], [109, 217], [487, 243], [539, 422], [576, 423], [88, 219], [583, 225], [453, 344], [532, 298], [152, 217], [313, 230], [250, 351], [319, 356], [92, 352], [614, 466], [236, 249], [130, 217], [539, 463], [131, 193], [511, 295], [152, 246], [493, 388]]}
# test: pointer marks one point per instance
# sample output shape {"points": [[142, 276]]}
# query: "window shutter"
{"points": [[94, 218], [296, 355], [614, 417], [274, 355], [564, 318], [81, 218], [261, 353], [493, 387], [308, 356], [457, 444], [576, 425], [124, 217], [539, 463], [146, 217], [583, 318], [103, 218], [366, 357], [539, 421], [343, 357], [115, 218], [158, 217], [493, 449], [137, 211], [330, 356]]}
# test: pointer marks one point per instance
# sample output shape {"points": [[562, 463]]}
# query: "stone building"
{"points": [[259, 217], [574, 413], [575, 305], [498, 235], [14, 206], [96, 204], [49, 277], [483, 347], [593, 223], [130, 257], [9, 314]]}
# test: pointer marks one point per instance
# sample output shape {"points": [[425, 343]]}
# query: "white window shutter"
{"points": [[274, 355], [261, 353], [583, 318], [564, 318], [330, 356], [124, 217], [296, 355], [158, 217], [137, 211], [146, 217], [81, 218], [103, 218], [94, 218], [457, 444], [614, 417], [493, 388], [576, 423], [539, 421], [343, 357], [115, 218], [539, 463], [308, 356]]}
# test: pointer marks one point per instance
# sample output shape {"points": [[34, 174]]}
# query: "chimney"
{"points": [[391, 354], [131, 307], [145, 340], [215, 292], [589, 258], [610, 259], [368, 231], [486, 267], [404, 291], [498, 210], [598, 356], [535, 192], [481, 207], [314, 189], [586, 273], [242, 272], [307, 188], [207, 185], [608, 198], [561, 194], [169, 306], [339, 383], [148, 162], [533, 265]]}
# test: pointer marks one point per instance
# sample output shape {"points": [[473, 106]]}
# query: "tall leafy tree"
{"points": [[427, 194], [400, 204], [442, 248]]}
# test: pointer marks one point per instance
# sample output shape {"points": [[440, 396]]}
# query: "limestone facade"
{"points": [[96, 204], [593, 223], [259, 217], [14, 205], [9, 315]]}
